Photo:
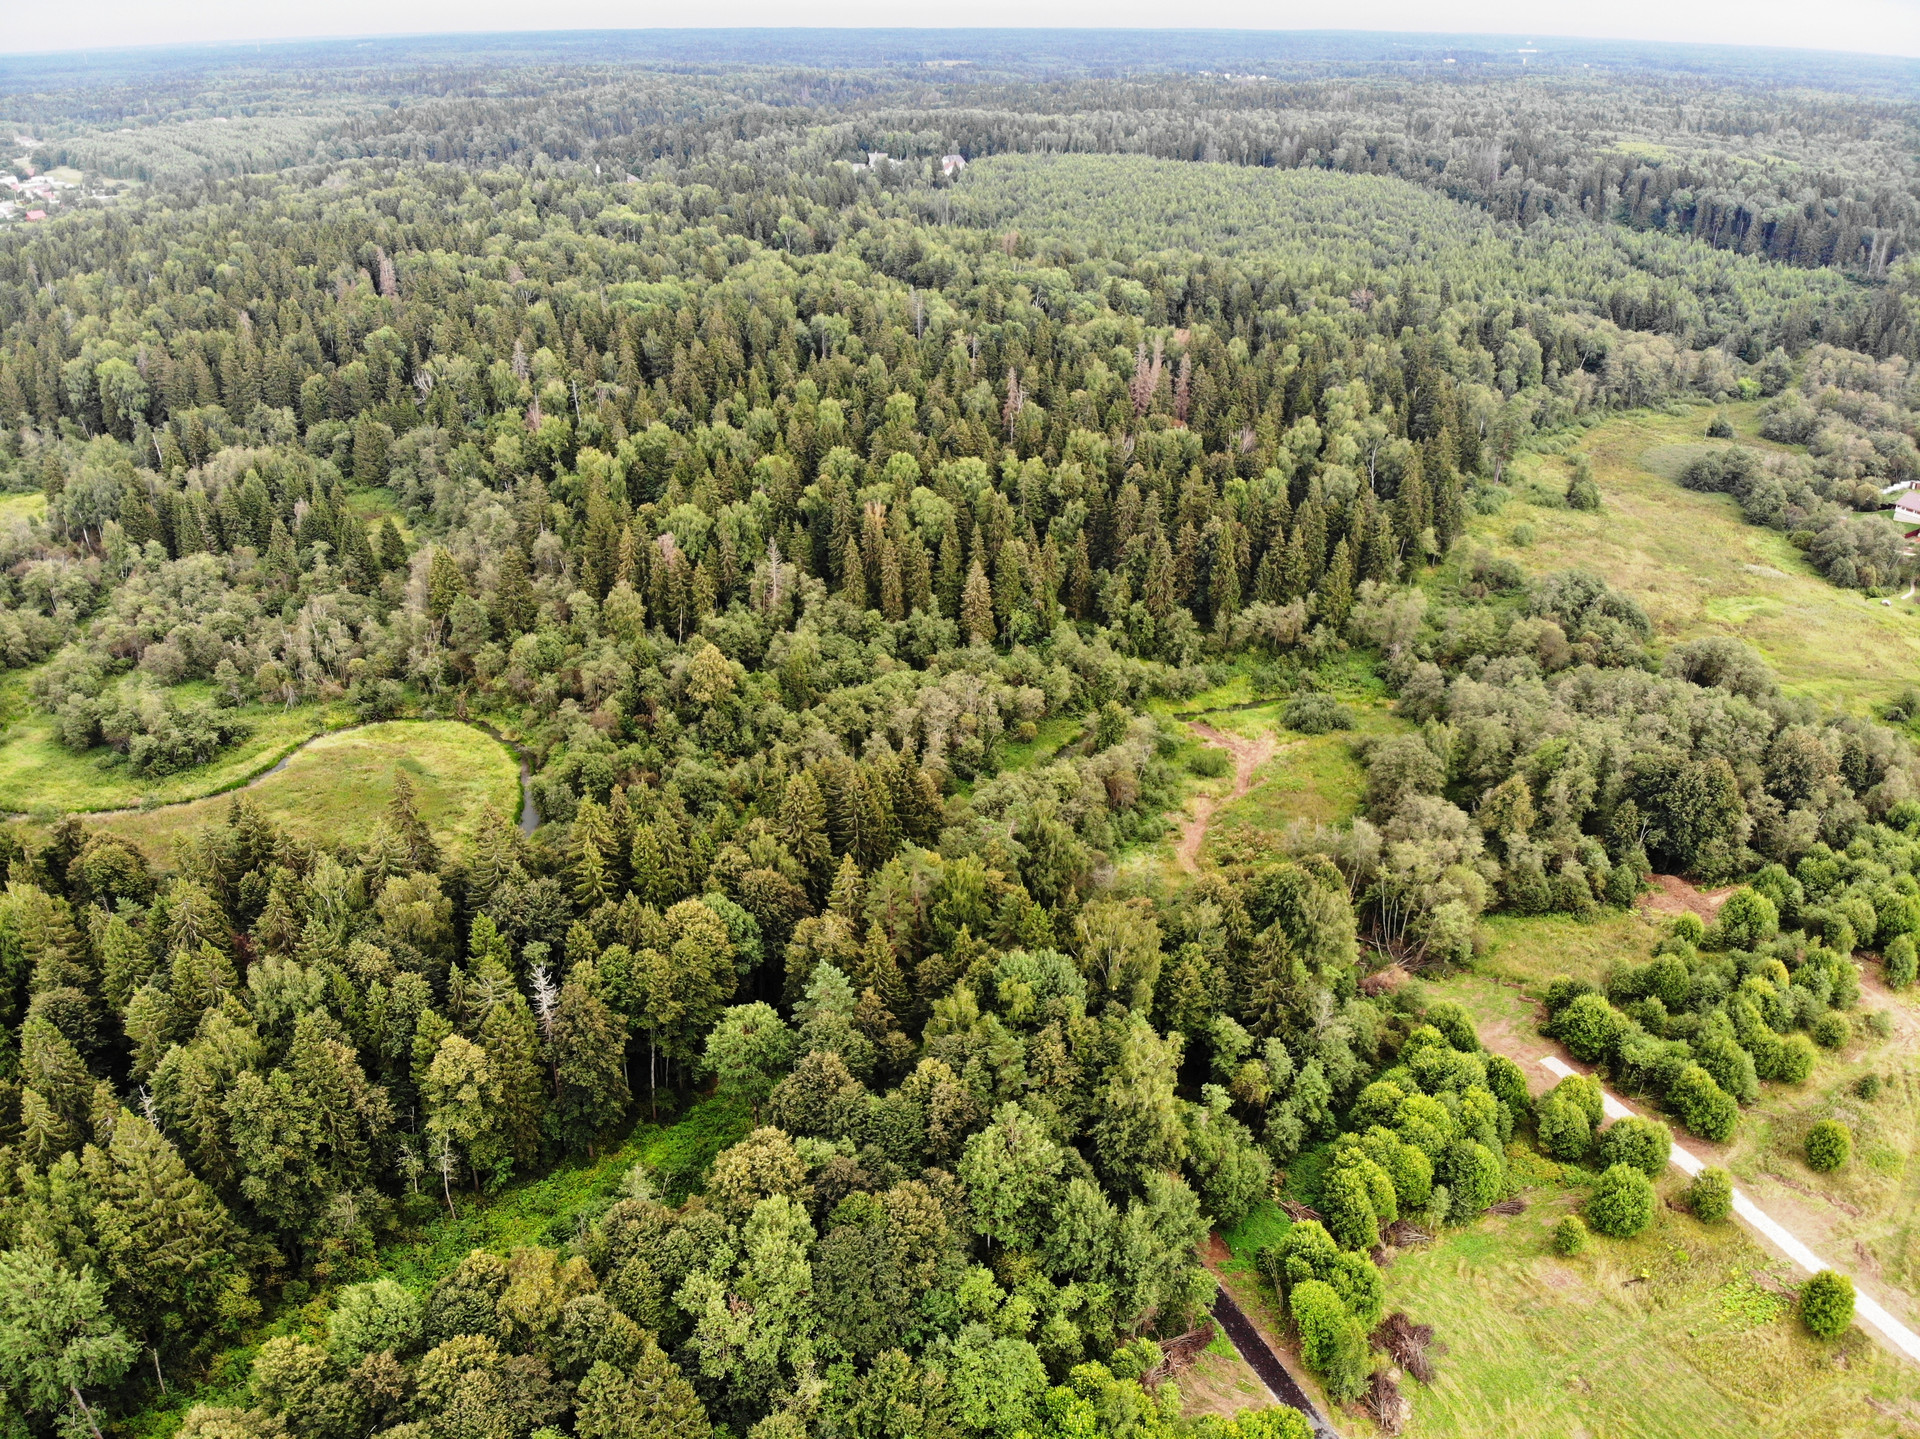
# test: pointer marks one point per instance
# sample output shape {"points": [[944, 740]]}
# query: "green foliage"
{"points": [[1622, 1203], [1902, 961], [1563, 1129], [1570, 1235], [373, 1318], [1645, 1144], [1210, 763], [1710, 1196], [1332, 1342], [825, 537], [1590, 1028], [1826, 1304], [1313, 712], [57, 1340], [1829, 1146], [1703, 1106]]}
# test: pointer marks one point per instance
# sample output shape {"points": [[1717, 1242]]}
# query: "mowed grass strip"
{"points": [[335, 790]]}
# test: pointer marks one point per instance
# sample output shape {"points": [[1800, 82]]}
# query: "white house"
{"points": [[1906, 510], [950, 165]]}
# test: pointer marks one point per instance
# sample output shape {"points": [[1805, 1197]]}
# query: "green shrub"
{"points": [[1867, 1086], [1346, 1205], [1703, 1106], [1688, 928], [1829, 1145], [1209, 762], [1473, 1174], [1311, 712], [1585, 1092], [1508, 1084], [1643, 1143], [1793, 1059], [1583, 493], [1331, 1340], [1570, 1236], [1826, 1304], [1622, 1203], [1880, 1024], [1710, 1196], [1563, 1129], [1590, 1027], [1831, 1030], [1747, 920], [1453, 1021], [1902, 960], [1307, 1251]]}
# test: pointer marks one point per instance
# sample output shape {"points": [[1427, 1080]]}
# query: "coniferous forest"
{"points": [[839, 533]]}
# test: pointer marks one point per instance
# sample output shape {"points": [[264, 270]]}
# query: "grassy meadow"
{"points": [[1695, 566], [336, 788], [40, 776]]}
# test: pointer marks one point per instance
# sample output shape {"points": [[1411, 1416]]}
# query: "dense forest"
{"points": [[773, 504]]}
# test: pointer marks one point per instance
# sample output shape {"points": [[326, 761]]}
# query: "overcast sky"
{"points": [[1878, 26]]}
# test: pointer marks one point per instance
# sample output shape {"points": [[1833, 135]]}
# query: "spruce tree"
{"points": [[166, 1242], [589, 1043]]}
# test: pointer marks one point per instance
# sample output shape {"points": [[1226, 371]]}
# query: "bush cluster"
{"points": [[1715, 1012], [1826, 1304], [1829, 1146]]}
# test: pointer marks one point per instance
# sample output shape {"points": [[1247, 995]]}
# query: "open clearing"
{"points": [[337, 787], [1697, 567], [41, 776]]}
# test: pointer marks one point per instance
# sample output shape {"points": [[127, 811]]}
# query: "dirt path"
{"points": [[1248, 756], [1673, 895]]}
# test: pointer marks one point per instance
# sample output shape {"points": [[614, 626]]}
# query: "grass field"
{"points": [[335, 789], [1530, 951], [1668, 1334], [41, 776], [1697, 567], [1318, 778]]}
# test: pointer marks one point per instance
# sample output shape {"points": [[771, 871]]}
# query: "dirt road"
{"points": [[1248, 756]]}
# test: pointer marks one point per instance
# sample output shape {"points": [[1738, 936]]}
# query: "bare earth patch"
{"points": [[1248, 756], [1673, 895]]}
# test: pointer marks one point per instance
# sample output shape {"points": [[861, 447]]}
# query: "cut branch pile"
{"points": [[1390, 1409], [1404, 1234], [1508, 1206], [1407, 1344], [1296, 1211]]}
